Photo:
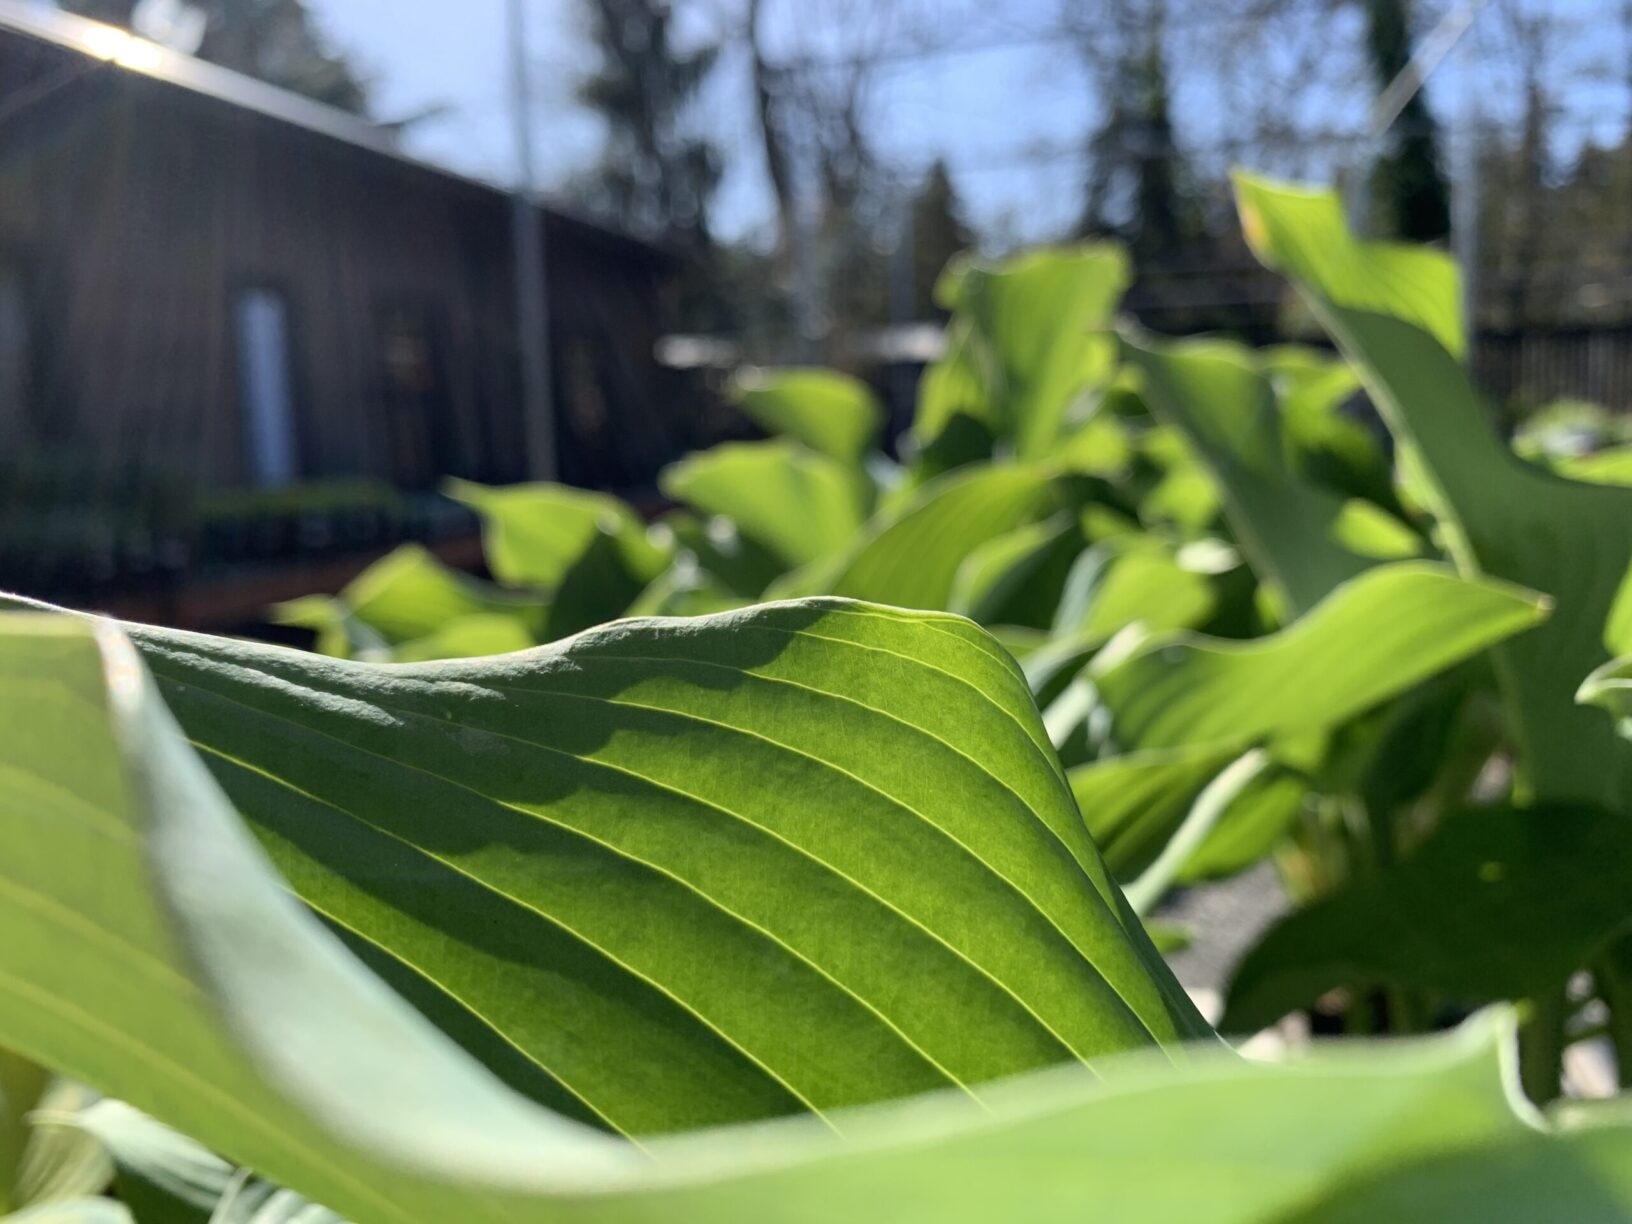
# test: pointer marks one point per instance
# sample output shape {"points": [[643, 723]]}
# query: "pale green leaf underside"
{"points": [[56, 1163], [73, 1211]]}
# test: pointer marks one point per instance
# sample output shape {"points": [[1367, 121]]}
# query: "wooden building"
{"points": [[233, 286]]}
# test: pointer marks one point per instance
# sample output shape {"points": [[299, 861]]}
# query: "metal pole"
{"points": [[1407, 83], [903, 266], [807, 286], [532, 287], [1469, 201]]}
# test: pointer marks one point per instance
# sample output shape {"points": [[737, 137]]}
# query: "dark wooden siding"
{"points": [[136, 211]]}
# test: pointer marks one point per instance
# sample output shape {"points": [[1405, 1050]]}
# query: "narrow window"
{"points": [[267, 387], [418, 409]]}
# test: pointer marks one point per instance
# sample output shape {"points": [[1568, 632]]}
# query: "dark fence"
{"points": [[1534, 366]]}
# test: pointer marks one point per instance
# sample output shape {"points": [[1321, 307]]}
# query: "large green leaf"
{"points": [[132, 892], [797, 503], [1371, 638], [1395, 312], [243, 1022], [680, 872], [1499, 903], [829, 412], [911, 558]]}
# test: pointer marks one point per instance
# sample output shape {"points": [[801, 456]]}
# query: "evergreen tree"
{"points": [[657, 172], [938, 233], [1158, 223], [272, 40], [1138, 185], [1409, 194]]}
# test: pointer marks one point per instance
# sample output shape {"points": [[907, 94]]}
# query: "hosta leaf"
{"points": [[466, 637], [248, 1026], [1133, 803], [1395, 312], [1023, 348], [1372, 637], [1293, 532], [1017, 578], [1612, 466], [911, 558], [1499, 903], [1185, 494], [1136, 580], [406, 595], [589, 552], [1305, 235], [829, 412], [1618, 629], [630, 872], [743, 567], [797, 503]]}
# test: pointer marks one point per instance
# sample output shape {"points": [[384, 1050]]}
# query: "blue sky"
{"points": [[993, 113], [983, 103]]}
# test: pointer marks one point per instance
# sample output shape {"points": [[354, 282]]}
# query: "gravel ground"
{"points": [[1224, 920]]}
